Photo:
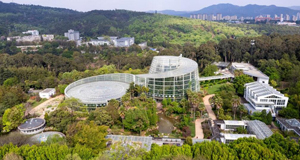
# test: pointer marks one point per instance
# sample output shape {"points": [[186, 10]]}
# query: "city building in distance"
{"points": [[72, 35], [32, 32], [168, 77]]}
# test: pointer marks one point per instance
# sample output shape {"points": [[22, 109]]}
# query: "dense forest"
{"points": [[153, 28]]}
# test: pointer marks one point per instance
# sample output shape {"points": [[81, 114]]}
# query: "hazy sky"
{"points": [[145, 5]]}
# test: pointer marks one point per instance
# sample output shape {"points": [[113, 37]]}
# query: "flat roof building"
{"points": [[227, 138], [72, 35], [124, 42], [262, 96], [251, 71], [32, 126], [289, 125], [47, 93]]}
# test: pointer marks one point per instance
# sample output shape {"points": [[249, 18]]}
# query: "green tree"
{"points": [[239, 83], [61, 118], [89, 135], [101, 117], [13, 117]]}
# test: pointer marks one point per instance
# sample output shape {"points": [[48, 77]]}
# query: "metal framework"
{"points": [[260, 129]]}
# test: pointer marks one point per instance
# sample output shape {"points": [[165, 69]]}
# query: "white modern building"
{"points": [[262, 96], [72, 35], [251, 71], [124, 42], [32, 126], [100, 41], [227, 138], [231, 125], [47, 93], [255, 128], [32, 32]]}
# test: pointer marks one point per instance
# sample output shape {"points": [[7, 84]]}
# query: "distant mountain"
{"points": [[248, 10], [295, 8]]}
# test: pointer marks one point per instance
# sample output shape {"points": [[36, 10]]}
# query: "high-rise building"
{"points": [[72, 35], [219, 16], [294, 18], [199, 16], [281, 17], [204, 17], [298, 16], [268, 16], [287, 17], [233, 17]]}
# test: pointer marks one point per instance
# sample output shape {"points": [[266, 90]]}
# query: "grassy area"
{"points": [[192, 128], [213, 89]]}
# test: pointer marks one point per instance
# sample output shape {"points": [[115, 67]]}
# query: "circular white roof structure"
{"points": [[99, 92], [173, 75]]}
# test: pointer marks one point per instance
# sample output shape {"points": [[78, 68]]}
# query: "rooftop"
{"points": [[249, 70], [32, 123], [293, 122], [260, 129], [237, 136], [48, 90], [262, 89], [233, 122], [124, 39], [178, 66], [146, 142]]}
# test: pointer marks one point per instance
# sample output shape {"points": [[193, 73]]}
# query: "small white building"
{"points": [[125, 42], [289, 125], [227, 138], [251, 71], [32, 32], [232, 125], [262, 96], [47, 93], [72, 35]]}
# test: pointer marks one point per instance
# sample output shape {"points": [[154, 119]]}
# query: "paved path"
{"points": [[208, 107], [41, 108], [199, 131], [198, 127]]}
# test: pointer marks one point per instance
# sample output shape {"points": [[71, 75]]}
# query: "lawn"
{"points": [[213, 89], [192, 128]]}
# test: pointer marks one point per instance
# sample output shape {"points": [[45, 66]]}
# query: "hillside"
{"points": [[153, 28], [229, 9]]}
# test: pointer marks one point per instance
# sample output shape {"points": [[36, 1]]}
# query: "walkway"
{"points": [[53, 102], [208, 107], [198, 127]]}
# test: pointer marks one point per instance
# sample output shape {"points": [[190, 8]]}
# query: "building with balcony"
{"points": [[262, 96]]}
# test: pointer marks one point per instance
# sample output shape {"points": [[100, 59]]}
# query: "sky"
{"points": [[146, 5]]}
